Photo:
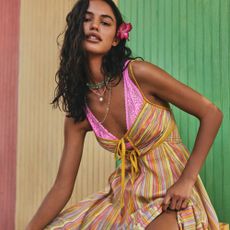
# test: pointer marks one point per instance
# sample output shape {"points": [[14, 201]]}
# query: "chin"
{"points": [[95, 51]]}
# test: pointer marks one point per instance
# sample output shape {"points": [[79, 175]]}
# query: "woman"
{"points": [[157, 184]]}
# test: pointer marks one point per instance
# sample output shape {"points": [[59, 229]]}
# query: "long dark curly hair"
{"points": [[73, 72]]}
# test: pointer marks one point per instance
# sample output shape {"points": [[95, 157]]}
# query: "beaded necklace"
{"points": [[95, 87], [98, 85]]}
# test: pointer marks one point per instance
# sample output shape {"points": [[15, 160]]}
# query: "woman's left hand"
{"points": [[177, 196]]}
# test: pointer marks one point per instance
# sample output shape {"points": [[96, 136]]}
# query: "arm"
{"points": [[156, 81], [59, 194]]}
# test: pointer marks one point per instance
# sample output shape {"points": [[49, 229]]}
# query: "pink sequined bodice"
{"points": [[133, 104]]}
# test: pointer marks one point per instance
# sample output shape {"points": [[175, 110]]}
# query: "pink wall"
{"points": [[9, 59]]}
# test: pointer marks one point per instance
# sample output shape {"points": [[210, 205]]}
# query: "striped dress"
{"points": [[152, 158]]}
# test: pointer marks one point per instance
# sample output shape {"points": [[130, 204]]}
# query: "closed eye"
{"points": [[105, 23], [86, 19]]}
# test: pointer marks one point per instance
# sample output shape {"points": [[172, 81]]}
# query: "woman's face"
{"points": [[99, 28]]}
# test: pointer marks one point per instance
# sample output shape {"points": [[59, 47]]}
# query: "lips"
{"points": [[94, 37]]}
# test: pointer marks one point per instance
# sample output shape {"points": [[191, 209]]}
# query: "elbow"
{"points": [[218, 114], [63, 187], [62, 193], [215, 114]]}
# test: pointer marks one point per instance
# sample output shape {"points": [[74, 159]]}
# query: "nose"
{"points": [[94, 25]]}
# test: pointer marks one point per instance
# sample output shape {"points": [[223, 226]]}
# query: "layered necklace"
{"points": [[95, 88]]}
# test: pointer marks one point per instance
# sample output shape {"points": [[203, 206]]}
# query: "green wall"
{"points": [[190, 40]]}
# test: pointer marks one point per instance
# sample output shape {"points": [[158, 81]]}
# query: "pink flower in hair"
{"points": [[123, 31]]}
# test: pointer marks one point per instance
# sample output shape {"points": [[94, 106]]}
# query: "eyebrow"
{"points": [[102, 15]]}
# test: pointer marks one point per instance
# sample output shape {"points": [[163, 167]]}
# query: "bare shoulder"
{"points": [[145, 72], [147, 75], [159, 83]]}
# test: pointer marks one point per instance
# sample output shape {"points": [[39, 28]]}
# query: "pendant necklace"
{"points": [[95, 87], [101, 95], [107, 106]]}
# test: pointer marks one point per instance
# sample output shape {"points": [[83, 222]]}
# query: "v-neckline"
{"points": [[128, 129], [126, 111]]}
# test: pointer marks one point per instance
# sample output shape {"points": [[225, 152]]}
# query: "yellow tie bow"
{"points": [[133, 155]]}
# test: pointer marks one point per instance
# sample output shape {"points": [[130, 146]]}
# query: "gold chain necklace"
{"points": [[108, 105]]}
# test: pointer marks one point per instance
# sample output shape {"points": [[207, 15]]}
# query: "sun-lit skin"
{"points": [[158, 87], [100, 20]]}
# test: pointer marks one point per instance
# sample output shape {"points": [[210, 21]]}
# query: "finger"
{"points": [[184, 204], [173, 203], [178, 204], [165, 206], [166, 202]]}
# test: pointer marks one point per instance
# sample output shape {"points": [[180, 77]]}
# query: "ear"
{"points": [[115, 41]]}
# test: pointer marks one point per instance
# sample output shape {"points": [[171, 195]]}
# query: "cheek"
{"points": [[110, 35]]}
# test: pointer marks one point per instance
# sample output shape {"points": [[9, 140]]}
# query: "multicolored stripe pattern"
{"points": [[160, 161]]}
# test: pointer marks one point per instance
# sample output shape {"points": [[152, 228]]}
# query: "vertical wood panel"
{"points": [[40, 129], [225, 102], [9, 46], [190, 40]]}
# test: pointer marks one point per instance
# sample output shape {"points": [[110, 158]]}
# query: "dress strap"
{"points": [[130, 68], [137, 84]]}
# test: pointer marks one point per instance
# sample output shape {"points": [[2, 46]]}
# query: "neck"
{"points": [[95, 68]]}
